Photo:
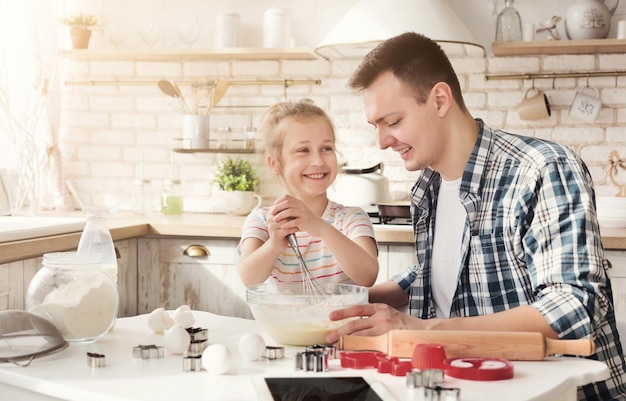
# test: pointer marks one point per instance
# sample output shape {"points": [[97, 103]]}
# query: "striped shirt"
{"points": [[353, 222], [531, 238]]}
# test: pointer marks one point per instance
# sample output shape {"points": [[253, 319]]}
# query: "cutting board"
{"points": [[515, 346]]}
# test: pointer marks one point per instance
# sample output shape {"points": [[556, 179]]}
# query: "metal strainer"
{"points": [[25, 336]]}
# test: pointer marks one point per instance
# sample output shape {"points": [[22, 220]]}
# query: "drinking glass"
{"points": [[150, 34]]}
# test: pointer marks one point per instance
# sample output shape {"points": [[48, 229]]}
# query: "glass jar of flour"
{"points": [[76, 294]]}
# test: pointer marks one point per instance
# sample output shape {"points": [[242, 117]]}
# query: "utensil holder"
{"points": [[195, 131]]}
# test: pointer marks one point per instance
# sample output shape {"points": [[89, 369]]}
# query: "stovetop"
{"points": [[386, 220]]}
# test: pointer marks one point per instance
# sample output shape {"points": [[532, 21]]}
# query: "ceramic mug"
{"points": [[536, 107], [586, 107]]}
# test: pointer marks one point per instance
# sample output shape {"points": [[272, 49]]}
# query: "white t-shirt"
{"points": [[449, 224]]}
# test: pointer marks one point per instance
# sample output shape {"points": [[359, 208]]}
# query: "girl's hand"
{"points": [[278, 235], [293, 215]]}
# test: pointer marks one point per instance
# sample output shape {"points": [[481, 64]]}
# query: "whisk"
{"points": [[310, 286]]}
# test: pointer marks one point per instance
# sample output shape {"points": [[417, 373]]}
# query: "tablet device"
{"points": [[324, 388]]}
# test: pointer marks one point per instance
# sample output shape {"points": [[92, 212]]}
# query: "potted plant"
{"points": [[80, 26], [238, 179]]}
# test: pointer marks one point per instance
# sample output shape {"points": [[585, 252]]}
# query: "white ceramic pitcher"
{"points": [[589, 19]]}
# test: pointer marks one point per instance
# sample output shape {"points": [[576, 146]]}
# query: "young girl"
{"points": [[337, 242]]}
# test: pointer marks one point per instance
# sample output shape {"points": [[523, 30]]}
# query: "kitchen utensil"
{"points": [[219, 91], [25, 336], [361, 187], [517, 346], [292, 318], [481, 369], [171, 89], [310, 286]]}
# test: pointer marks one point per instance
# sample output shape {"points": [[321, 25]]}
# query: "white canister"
{"points": [[227, 30], [276, 27], [195, 131]]}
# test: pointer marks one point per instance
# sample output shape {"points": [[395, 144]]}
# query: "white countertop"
{"points": [[66, 375]]}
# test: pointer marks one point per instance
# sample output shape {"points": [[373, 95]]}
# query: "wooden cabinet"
{"points": [[170, 277], [393, 259], [15, 277]]}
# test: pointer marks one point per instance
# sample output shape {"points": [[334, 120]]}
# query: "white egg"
{"points": [[217, 359], [159, 320], [184, 317], [251, 346], [176, 340]]}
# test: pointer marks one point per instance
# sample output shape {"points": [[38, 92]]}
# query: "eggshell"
{"points": [[217, 359], [176, 340], [184, 317], [159, 320], [251, 346]]}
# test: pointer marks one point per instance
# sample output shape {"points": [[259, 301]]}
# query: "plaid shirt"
{"points": [[531, 238]]}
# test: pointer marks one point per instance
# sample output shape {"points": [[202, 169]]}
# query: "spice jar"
{"points": [[75, 294]]}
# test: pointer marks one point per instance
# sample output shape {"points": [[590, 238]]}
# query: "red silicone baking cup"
{"points": [[428, 356], [470, 368]]}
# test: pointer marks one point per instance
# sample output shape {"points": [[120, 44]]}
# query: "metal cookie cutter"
{"points": [[273, 353], [148, 351], [431, 380], [192, 363], [311, 361], [196, 348], [439, 393], [330, 350], [198, 334], [95, 360]]}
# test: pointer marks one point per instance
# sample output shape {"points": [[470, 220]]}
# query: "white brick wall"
{"points": [[106, 129]]}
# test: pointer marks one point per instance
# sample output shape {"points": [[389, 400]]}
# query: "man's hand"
{"points": [[375, 319]]}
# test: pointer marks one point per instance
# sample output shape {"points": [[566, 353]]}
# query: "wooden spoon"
{"points": [[171, 89], [220, 89]]}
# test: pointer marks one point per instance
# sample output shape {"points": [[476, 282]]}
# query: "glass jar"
{"points": [[171, 202], [96, 238], [508, 24], [75, 294]]}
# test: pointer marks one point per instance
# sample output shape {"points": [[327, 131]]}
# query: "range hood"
{"points": [[370, 22]]}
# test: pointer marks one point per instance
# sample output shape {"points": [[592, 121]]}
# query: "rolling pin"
{"points": [[515, 346]]}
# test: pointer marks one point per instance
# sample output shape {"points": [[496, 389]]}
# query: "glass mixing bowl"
{"points": [[293, 318]]}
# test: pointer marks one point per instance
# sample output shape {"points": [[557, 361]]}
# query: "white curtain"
{"points": [[30, 104]]}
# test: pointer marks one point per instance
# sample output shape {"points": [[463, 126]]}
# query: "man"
{"points": [[505, 226]]}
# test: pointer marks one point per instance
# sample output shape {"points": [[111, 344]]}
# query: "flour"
{"points": [[82, 309]]}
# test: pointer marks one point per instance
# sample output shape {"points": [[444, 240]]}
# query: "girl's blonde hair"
{"points": [[276, 118]]}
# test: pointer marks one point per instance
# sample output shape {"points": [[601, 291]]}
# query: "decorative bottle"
{"points": [[96, 238], [508, 24]]}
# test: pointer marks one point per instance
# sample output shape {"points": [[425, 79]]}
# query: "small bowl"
{"points": [[293, 318]]}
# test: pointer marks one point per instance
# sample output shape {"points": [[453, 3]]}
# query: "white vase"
{"points": [[588, 19], [242, 202]]}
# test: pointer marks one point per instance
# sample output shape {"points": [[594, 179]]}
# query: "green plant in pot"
{"points": [[237, 177], [80, 25]]}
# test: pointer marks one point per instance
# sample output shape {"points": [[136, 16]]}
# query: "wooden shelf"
{"points": [[235, 53], [545, 47], [214, 150]]}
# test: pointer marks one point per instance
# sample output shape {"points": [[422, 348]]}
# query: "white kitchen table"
{"points": [[66, 374]]}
